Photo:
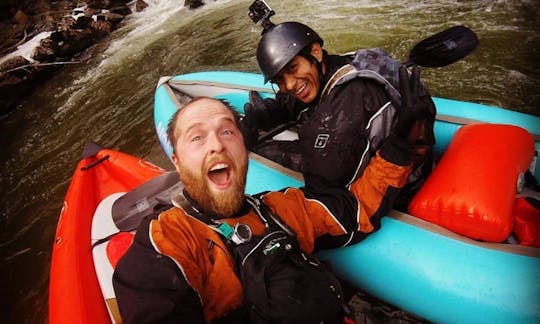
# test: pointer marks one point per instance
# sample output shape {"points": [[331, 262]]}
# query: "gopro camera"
{"points": [[260, 11]]}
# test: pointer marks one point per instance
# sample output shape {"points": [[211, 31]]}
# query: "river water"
{"points": [[109, 98]]}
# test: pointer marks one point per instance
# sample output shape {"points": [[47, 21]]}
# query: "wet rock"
{"points": [[65, 23], [113, 18], [12, 63], [21, 18], [98, 4], [91, 11], [72, 41], [19, 81], [102, 27], [140, 5], [75, 25], [11, 36], [120, 10], [82, 22], [192, 4], [46, 51]]}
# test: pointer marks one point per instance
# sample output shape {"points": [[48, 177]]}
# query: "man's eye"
{"points": [[196, 138], [291, 68], [227, 132]]}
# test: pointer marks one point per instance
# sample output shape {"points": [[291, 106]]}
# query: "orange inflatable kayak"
{"points": [[75, 295]]}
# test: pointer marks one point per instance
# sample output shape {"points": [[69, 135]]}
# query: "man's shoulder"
{"points": [[144, 242], [143, 250]]}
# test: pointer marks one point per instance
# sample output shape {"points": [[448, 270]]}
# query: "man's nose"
{"points": [[215, 143], [289, 82]]}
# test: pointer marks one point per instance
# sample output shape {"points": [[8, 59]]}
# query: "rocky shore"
{"points": [[39, 37]]}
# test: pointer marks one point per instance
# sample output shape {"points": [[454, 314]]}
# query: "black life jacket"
{"points": [[281, 284], [375, 64]]}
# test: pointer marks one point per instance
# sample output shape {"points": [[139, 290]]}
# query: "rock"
{"points": [[11, 35], [64, 6], [12, 63], [121, 10], [99, 4], [82, 22], [113, 18], [38, 6], [46, 51], [102, 28], [70, 42], [140, 5], [21, 18], [65, 23], [192, 4], [18, 83], [91, 11]]}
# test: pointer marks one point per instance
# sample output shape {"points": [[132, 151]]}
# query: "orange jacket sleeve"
{"points": [[337, 211]]}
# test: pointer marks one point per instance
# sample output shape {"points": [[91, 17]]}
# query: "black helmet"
{"points": [[280, 43]]}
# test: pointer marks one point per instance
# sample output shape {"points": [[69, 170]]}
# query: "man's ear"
{"points": [[316, 51], [175, 161]]}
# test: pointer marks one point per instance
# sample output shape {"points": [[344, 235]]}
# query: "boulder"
{"points": [[12, 63], [21, 18], [99, 4], [192, 4], [82, 22], [121, 10], [113, 18], [102, 27], [140, 5], [46, 51]]}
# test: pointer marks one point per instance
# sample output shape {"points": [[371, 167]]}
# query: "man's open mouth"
{"points": [[220, 174], [301, 89]]}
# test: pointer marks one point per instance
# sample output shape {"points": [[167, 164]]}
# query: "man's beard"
{"points": [[222, 204]]}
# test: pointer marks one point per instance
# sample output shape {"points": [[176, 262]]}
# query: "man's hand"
{"points": [[249, 131], [256, 112], [411, 117], [407, 143]]}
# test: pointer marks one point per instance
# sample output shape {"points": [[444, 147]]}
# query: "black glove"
{"points": [[249, 131], [414, 110], [255, 111], [255, 115], [262, 114], [411, 121], [268, 113]]}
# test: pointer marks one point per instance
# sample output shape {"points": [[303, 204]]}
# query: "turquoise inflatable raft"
{"points": [[413, 264]]}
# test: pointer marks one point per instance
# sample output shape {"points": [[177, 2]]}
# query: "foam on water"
{"points": [[27, 49]]}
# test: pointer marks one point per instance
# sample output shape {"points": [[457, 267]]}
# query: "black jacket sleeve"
{"points": [[150, 288]]}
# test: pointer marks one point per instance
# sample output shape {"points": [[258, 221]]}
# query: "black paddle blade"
{"points": [[444, 48]]}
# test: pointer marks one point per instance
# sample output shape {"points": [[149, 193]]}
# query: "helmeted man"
{"points": [[345, 107]]}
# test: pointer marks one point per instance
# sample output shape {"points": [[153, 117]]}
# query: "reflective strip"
{"points": [[379, 113]]}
